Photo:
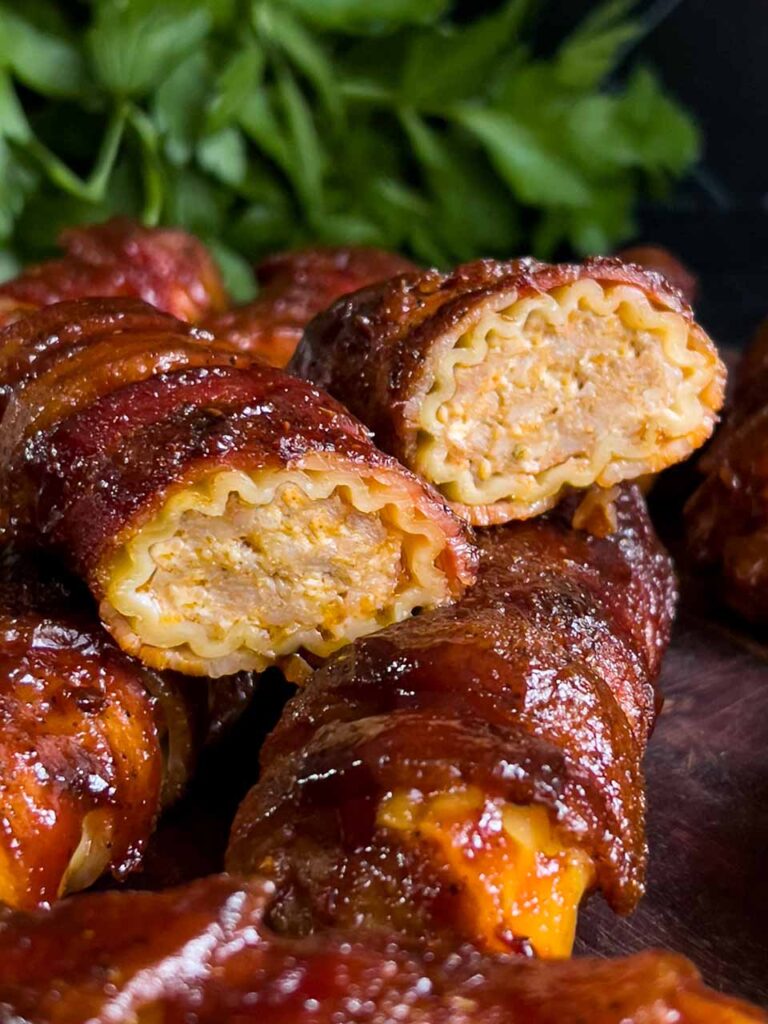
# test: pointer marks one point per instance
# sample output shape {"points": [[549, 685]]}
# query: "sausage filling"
{"points": [[241, 570], [582, 385]]}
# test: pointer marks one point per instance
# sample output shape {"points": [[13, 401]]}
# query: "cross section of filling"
{"points": [[517, 877], [585, 384], [243, 569]]}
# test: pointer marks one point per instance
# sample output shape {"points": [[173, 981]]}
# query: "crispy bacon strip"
{"points": [[294, 287], [92, 744], [224, 515], [206, 953], [727, 516], [662, 261], [475, 769], [506, 384], [170, 269]]}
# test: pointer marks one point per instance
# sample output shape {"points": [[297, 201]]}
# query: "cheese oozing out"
{"points": [[517, 877], [585, 384], [240, 570]]}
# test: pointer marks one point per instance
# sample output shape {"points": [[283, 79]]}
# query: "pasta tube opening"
{"points": [[241, 569], [588, 383]]}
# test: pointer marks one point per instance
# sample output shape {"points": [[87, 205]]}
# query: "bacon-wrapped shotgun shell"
{"points": [[92, 744], [206, 953], [727, 516], [224, 517], [294, 287], [505, 384], [170, 269], [475, 769]]}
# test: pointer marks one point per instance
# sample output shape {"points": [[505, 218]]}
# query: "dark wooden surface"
{"points": [[707, 771]]}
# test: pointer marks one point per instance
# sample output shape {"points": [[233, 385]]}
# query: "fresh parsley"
{"points": [[265, 123]]}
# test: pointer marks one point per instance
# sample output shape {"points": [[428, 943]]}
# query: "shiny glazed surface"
{"points": [[111, 410], [205, 953], [388, 349], [92, 744], [167, 268]]}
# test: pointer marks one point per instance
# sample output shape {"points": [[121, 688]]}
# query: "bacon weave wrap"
{"points": [[505, 384], [727, 517], [295, 286], [224, 514], [169, 269], [92, 744], [535, 689], [206, 953]]}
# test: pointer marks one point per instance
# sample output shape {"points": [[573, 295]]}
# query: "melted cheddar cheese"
{"points": [[517, 876]]}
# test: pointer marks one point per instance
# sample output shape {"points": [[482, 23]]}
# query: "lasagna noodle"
{"points": [[661, 261], [579, 386], [508, 384], [241, 570], [59, 361]]}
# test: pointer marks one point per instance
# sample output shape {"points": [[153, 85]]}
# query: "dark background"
{"points": [[713, 55]]}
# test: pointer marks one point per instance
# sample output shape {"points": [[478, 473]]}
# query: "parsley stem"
{"points": [[151, 167], [92, 188], [367, 92]]}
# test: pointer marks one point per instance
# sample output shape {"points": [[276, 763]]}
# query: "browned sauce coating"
{"points": [[727, 516], [662, 261], [109, 407], [205, 953], [90, 741], [61, 360], [149, 402], [294, 287], [370, 350], [168, 268]]}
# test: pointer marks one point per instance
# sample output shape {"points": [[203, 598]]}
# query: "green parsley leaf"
{"points": [[133, 47], [593, 50], [49, 64], [235, 85], [373, 15], [224, 156], [446, 65], [177, 104], [537, 174]]}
